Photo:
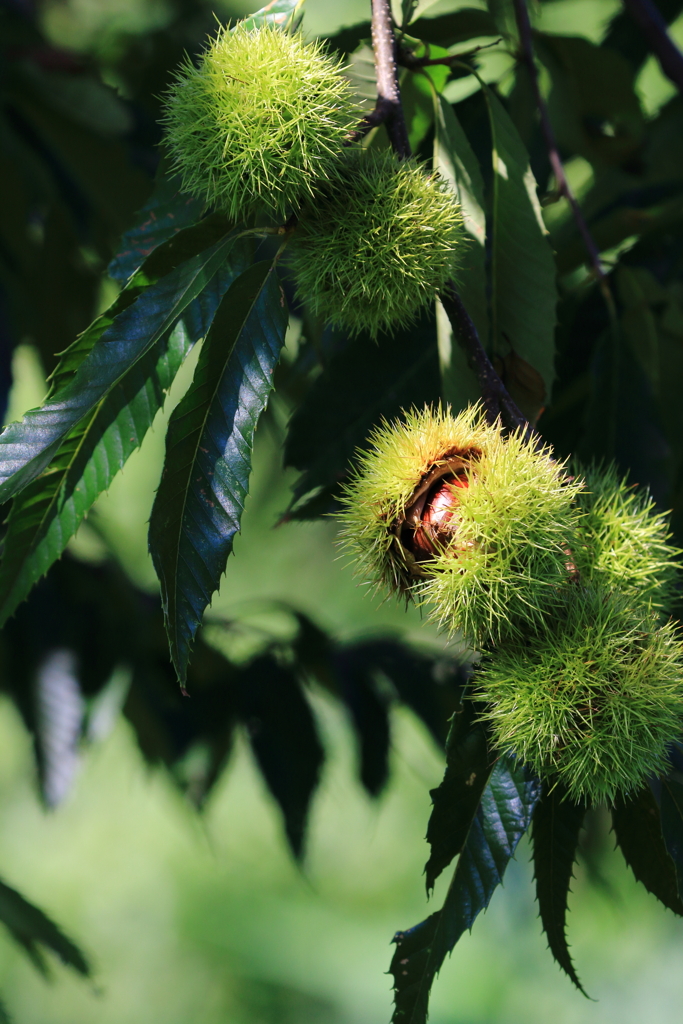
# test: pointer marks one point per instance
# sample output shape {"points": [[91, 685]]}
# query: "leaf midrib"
{"points": [[199, 434]]}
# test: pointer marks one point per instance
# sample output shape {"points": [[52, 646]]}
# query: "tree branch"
{"points": [[527, 55], [649, 20], [376, 117], [496, 397], [389, 106], [497, 401]]}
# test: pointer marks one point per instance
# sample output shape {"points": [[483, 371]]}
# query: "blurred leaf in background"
{"points": [[312, 725]]}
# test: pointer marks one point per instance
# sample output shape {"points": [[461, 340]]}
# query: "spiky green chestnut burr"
{"points": [[593, 698], [378, 243], [260, 119], [449, 510], [622, 542]]}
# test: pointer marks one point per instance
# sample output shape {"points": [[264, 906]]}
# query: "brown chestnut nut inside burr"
{"points": [[429, 524]]}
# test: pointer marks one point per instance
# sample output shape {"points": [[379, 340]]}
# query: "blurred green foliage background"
{"points": [[207, 919]]}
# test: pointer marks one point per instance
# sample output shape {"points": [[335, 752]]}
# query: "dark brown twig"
{"points": [[496, 397], [563, 187], [374, 119], [649, 20], [388, 94], [497, 401]]}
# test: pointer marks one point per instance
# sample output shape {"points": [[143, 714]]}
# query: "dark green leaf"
{"points": [[349, 39], [430, 687], [4, 1014], [468, 767], [167, 257], [407, 10], [593, 102], [165, 213], [369, 713], [362, 384], [444, 30], [48, 512], [638, 829], [284, 739], [523, 289], [192, 738], [454, 159], [671, 808], [26, 448], [625, 35], [501, 820], [458, 27], [555, 831], [32, 929], [198, 507]]}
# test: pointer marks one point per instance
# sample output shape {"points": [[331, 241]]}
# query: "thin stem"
{"points": [[497, 401], [649, 20], [527, 54], [407, 59], [388, 92], [496, 397]]}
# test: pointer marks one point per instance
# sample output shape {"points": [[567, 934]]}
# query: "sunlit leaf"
{"points": [[418, 89], [455, 161], [407, 10], [523, 288], [286, 14], [198, 507], [468, 767], [47, 513], [26, 448], [501, 820]]}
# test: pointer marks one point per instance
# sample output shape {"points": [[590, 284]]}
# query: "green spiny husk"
{"points": [[258, 121], [381, 239], [623, 540], [592, 697], [508, 557]]}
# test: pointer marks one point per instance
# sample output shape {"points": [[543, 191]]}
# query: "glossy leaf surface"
{"points": [[199, 504], [48, 512], [468, 767], [501, 820], [26, 448], [165, 213]]}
